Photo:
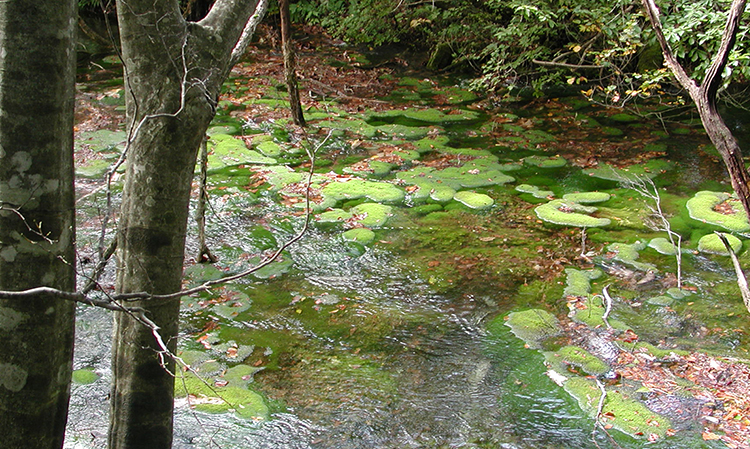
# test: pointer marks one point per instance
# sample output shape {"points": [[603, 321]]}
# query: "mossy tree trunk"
{"points": [[173, 74], [37, 227], [704, 95]]}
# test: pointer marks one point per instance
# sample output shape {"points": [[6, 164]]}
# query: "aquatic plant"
{"points": [[720, 209], [569, 213]]}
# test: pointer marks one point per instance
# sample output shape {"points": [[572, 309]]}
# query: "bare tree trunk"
{"points": [[290, 64], [704, 96], [173, 73], [37, 227]]}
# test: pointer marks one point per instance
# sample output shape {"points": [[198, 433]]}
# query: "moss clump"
{"points": [[663, 246], [85, 376], [702, 207], [363, 236], [227, 151], [473, 200], [622, 412], [712, 244], [439, 193], [587, 197], [569, 213], [545, 161], [578, 282], [533, 326], [535, 191], [270, 149], [381, 192], [372, 215], [628, 253]]}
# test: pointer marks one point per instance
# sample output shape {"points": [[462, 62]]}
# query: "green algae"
{"points": [[702, 206], [535, 191], [473, 200], [712, 244], [533, 326], [569, 213]]}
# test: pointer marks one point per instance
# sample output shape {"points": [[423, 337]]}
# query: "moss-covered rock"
{"points": [[577, 357], [627, 253], [663, 246], [381, 192], [712, 244], [363, 236], [545, 161], [474, 200], [533, 326], [372, 215], [703, 207], [535, 191], [578, 282], [621, 410], [587, 197], [569, 213], [226, 150]]}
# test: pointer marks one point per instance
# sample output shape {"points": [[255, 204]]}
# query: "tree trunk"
{"points": [[37, 227], [704, 95], [174, 71], [290, 64]]}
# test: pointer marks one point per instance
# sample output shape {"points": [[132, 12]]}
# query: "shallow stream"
{"points": [[398, 339]]}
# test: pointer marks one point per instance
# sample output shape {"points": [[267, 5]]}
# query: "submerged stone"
{"points": [[720, 209], [578, 357], [628, 253], [372, 215]]}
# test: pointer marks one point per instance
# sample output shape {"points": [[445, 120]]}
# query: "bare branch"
{"points": [[247, 33]]}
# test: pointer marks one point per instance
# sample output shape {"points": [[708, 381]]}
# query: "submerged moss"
{"points": [[363, 236], [577, 357], [535, 191], [381, 192], [650, 170]]}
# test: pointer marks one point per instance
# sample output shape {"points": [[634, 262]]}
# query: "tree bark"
{"points": [[704, 96], [37, 227], [173, 73], [290, 64]]}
